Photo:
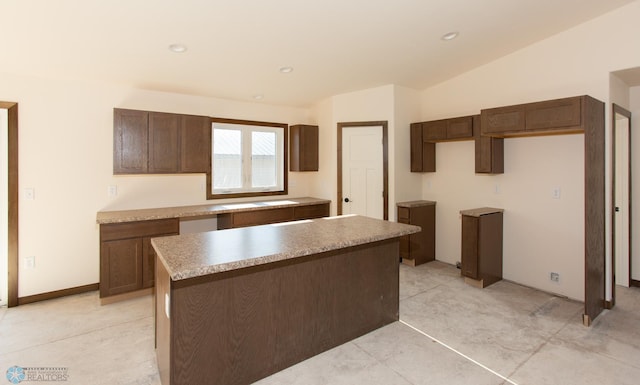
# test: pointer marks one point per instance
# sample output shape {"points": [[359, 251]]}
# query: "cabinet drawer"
{"points": [[113, 231], [261, 217], [311, 211], [403, 214]]}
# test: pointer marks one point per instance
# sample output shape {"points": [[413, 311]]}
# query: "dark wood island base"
{"points": [[238, 326]]}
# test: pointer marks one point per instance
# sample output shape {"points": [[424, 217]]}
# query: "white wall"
{"points": [[399, 106], [541, 234], [66, 144]]}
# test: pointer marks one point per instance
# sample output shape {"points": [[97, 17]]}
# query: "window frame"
{"points": [[211, 194]]}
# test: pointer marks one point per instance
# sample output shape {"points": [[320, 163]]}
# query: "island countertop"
{"points": [[119, 216], [193, 255]]}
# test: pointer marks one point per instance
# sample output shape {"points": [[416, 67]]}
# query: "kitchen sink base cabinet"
{"points": [[242, 325]]}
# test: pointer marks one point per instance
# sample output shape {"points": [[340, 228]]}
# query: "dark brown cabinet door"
{"points": [[434, 131], [121, 266], [460, 128], [423, 153], [195, 143], [503, 120], [469, 258], [489, 154], [164, 142], [130, 141], [303, 148], [556, 114]]}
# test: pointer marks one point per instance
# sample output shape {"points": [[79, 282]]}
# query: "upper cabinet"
{"points": [[195, 141], [130, 141], [424, 136], [155, 142], [423, 153], [559, 116], [489, 154], [448, 129], [303, 148]]}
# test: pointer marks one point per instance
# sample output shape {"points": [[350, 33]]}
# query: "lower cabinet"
{"points": [[481, 257], [419, 248], [127, 260]]}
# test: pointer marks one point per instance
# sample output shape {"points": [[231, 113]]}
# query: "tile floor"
{"points": [[449, 333]]}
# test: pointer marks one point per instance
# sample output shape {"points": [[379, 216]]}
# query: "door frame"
{"points": [[616, 109], [385, 162], [12, 195]]}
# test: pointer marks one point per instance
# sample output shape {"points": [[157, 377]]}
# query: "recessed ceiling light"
{"points": [[286, 70], [258, 97], [178, 48], [449, 36]]}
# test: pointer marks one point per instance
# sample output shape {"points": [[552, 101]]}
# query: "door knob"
{"points": [[346, 200]]}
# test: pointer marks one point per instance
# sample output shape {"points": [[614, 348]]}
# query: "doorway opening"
{"points": [[9, 203], [621, 224], [363, 169]]}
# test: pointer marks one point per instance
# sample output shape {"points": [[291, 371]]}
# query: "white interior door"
{"points": [[362, 171], [4, 210], [622, 202]]}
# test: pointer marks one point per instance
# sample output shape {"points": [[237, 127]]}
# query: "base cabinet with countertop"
{"points": [[238, 305], [418, 248], [126, 255], [481, 259]]}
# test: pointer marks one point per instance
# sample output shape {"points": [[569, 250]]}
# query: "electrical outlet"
{"points": [[555, 193], [497, 189], [30, 262], [112, 190], [29, 194], [554, 277]]}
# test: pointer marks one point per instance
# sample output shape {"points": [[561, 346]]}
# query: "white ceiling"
{"points": [[235, 47]]}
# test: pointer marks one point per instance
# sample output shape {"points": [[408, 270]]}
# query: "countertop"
{"points": [[199, 210], [481, 211], [193, 255], [419, 203]]}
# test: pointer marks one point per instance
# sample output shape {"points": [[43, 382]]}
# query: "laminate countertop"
{"points": [[120, 216], [194, 255]]}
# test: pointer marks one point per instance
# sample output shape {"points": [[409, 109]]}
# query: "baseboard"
{"points": [[125, 296], [634, 283], [57, 294]]}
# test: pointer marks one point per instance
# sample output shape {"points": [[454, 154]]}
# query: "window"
{"points": [[247, 159]]}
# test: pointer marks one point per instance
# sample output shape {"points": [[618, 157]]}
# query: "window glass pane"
{"points": [[263, 159], [227, 158]]}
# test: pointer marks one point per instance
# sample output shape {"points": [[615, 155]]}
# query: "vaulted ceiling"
{"points": [[235, 48]]}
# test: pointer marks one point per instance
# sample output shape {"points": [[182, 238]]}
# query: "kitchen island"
{"points": [[237, 305]]}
